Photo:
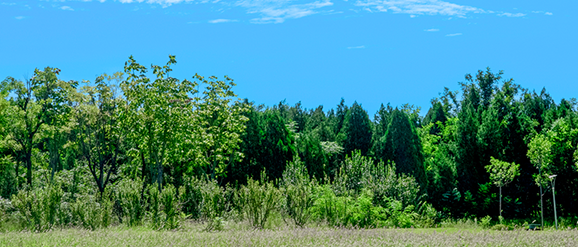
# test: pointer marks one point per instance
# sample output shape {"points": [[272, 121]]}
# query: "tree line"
{"points": [[490, 138]]}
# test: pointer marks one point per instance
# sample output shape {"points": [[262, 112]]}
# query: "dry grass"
{"points": [[192, 235]]}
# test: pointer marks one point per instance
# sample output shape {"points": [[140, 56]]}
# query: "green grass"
{"points": [[239, 234]]}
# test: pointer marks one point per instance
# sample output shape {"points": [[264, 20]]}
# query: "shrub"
{"points": [[92, 212], [485, 222], [40, 209], [128, 196], [364, 213], [500, 227], [334, 210], [170, 206], [205, 200], [191, 197], [6, 210], [298, 191], [356, 173], [154, 206], [257, 200]]}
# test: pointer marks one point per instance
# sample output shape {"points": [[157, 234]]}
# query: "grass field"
{"points": [[192, 235]]}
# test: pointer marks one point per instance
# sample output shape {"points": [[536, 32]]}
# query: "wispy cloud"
{"points": [[221, 21], [356, 47], [272, 11], [8, 4], [419, 7], [66, 8], [431, 30], [453, 34], [278, 11], [19, 17], [512, 15]]}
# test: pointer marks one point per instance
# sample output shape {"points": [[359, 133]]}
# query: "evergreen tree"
{"points": [[356, 131], [402, 146]]}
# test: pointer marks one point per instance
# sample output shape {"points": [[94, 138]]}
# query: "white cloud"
{"points": [[272, 11], [8, 4], [66, 8], [19, 17], [221, 21], [431, 30], [512, 15], [548, 13], [356, 47], [453, 34], [419, 7]]}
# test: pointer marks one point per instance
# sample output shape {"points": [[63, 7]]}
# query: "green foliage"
{"points": [[154, 204], [257, 200], [297, 188], [355, 173], [331, 208], [40, 209], [93, 212], [128, 195], [63, 147], [485, 222], [163, 207], [539, 152], [170, 208], [99, 134], [356, 131], [502, 173], [401, 145], [38, 109], [8, 183], [205, 200]]}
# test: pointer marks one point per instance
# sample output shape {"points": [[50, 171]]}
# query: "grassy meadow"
{"points": [[238, 234]]}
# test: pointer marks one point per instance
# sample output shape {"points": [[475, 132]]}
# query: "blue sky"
{"points": [[313, 51]]}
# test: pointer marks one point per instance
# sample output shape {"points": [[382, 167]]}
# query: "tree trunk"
{"points": [[28, 160], [500, 201]]}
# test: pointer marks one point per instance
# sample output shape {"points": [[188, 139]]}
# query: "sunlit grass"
{"points": [[238, 234]]}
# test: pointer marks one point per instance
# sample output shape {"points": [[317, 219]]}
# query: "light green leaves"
{"points": [[501, 172], [539, 152]]}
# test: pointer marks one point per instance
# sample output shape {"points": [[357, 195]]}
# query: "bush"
{"points": [[93, 212], [154, 206], [6, 210], [191, 197], [205, 200], [500, 227], [40, 209], [485, 222], [171, 208], [128, 196], [331, 208], [7, 177], [356, 173], [364, 213], [257, 200], [298, 191]]}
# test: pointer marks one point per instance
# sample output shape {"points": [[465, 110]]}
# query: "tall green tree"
{"points": [[221, 122], [100, 136], [435, 114], [469, 168], [403, 147], [356, 131], [37, 104], [539, 152], [154, 117]]}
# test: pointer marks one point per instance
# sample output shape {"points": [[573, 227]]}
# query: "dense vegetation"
{"points": [[137, 148]]}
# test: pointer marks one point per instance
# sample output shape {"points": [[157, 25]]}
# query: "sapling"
{"points": [[502, 173]]}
